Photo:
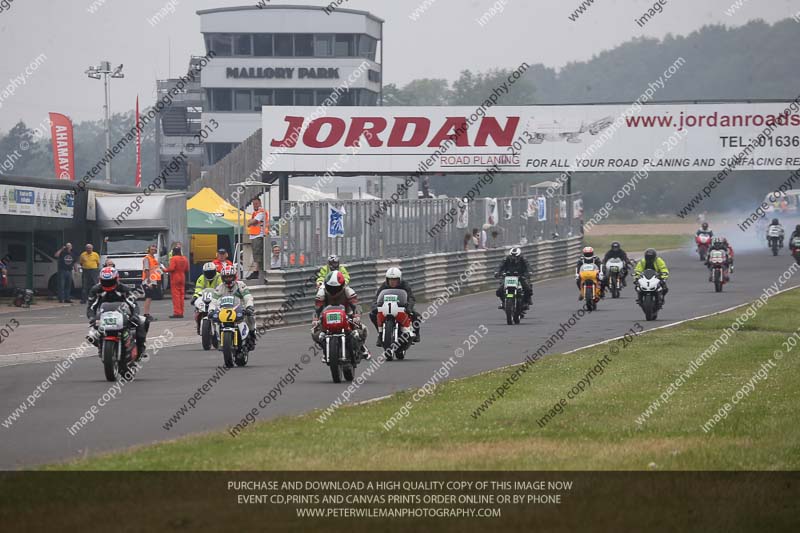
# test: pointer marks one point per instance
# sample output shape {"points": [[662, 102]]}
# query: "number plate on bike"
{"points": [[333, 318], [227, 315], [393, 298]]}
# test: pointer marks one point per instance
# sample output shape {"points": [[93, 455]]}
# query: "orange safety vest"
{"points": [[256, 230], [155, 269]]}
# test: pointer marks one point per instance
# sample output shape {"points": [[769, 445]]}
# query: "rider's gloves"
{"points": [[356, 319], [250, 311], [191, 302]]}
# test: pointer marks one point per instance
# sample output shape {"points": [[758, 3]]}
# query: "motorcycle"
{"points": [[340, 341], [233, 331], [703, 242], [719, 275], [392, 318], [796, 249], [775, 238], [590, 285], [650, 296], [615, 266], [116, 337], [205, 326], [514, 303]]}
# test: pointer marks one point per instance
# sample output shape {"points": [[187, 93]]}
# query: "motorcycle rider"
{"points": [[109, 290], [209, 279], [775, 222], [719, 244], [588, 257], [230, 286], [515, 265], [795, 234], [729, 249], [332, 265], [336, 291], [704, 230], [394, 280], [616, 252], [653, 262]]}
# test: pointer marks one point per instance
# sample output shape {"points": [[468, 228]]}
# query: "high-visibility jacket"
{"points": [[155, 269], [260, 229], [293, 259], [204, 283], [660, 268]]}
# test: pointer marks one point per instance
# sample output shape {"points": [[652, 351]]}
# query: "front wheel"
{"points": [[347, 372], [509, 308], [110, 361], [702, 254], [227, 348], [588, 297], [775, 247], [717, 280], [649, 306], [205, 332], [334, 356], [614, 283]]}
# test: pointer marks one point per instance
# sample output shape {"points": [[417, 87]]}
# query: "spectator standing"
{"points": [[275, 258], [178, 268], [151, 278], [90, 263], [222, 259], [257, 228], [66, 264]]}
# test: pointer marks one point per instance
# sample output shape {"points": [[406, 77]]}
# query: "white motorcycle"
{"points": [[394, 338], [614, 268], [650, 296], [206, 326], [775, 238]]}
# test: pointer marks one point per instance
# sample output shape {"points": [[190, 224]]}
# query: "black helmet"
{"points": [[333, 262], [704, 225], [775, 222], [650, 254], [616, 245], [797, 228]]}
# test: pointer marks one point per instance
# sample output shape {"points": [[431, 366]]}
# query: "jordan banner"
{"points": [[558, 138]]}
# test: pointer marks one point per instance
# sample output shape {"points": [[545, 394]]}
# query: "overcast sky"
{"points": [[444, 41]]}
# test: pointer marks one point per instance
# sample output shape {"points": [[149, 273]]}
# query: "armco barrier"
{"points": [[427, 274]]}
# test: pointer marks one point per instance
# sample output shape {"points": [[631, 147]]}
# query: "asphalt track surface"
{"points": [[138, 413]]}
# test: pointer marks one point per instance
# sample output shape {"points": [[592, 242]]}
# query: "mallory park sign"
{"points": [[285, 73]]}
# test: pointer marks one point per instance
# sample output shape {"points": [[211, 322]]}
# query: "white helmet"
{"points": [[394, 273], [515, 252], [209, 270]]}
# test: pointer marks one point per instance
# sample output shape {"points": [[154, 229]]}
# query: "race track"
{"points": [[137, 414]]}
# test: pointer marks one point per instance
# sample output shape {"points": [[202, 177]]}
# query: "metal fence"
{"points": [[375, 229]]}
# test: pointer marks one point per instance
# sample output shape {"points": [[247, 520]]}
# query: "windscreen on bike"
{"points": [[396, 296], [229, 301]]}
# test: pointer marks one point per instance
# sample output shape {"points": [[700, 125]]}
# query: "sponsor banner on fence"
{"points": [[586, 138], [35, 201]]}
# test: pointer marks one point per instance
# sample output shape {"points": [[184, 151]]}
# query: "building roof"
{"points": [[308, 8]]}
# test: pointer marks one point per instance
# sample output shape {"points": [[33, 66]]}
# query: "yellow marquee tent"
{"points": [[208, 201]]}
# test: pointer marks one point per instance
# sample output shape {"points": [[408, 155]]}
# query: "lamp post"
{"points": [[103, 71]]}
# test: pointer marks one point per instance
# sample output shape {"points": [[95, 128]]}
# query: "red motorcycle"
{"points": [[340, 343], [719, 266], [703, 242]]}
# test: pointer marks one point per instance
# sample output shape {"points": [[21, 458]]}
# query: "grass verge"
{"points": [[596, 431], [634, 243]]}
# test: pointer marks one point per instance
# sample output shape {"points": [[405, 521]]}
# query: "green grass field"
{"points": [[596, 431], [637, 243]]}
